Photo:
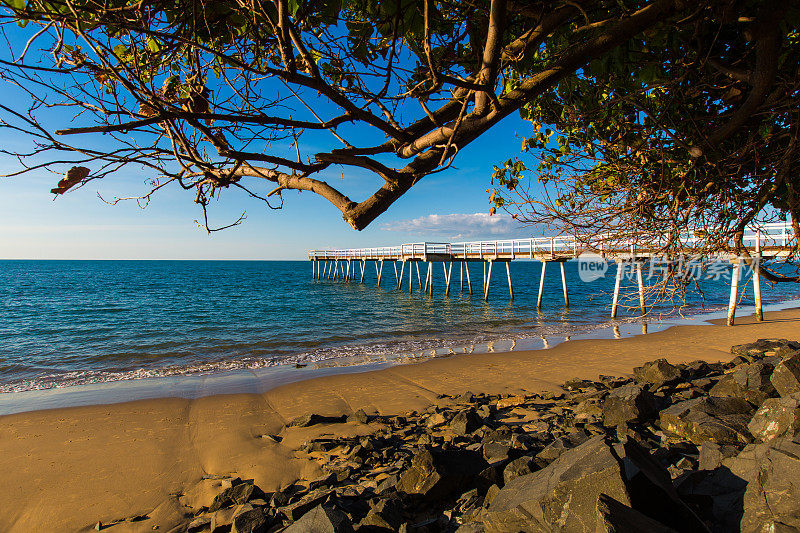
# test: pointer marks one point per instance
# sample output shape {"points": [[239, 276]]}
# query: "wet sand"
{"points": [[65, 469]]}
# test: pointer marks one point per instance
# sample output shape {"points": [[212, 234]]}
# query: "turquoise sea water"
{"points": [[76, 322]]}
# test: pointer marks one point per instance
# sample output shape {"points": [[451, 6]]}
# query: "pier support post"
{"points": [[419, 279], [410, 278], [469, 281], [508, 275], [348, 276], [396, 276], [541, 285], [400, 279], [335, 270], [734, 291], [617, 283], [757, 288], [313, 269], [363, 269], [447, 275], [564, 283], [379, 272], [640, 281], [757, 280], [429, 278], [461, 276], [487, 282], [327, 273]]}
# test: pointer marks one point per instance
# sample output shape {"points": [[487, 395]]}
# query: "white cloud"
{"points": [[460, 226]]}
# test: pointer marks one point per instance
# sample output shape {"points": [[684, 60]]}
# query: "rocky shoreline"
{"points": [[688, 447]]}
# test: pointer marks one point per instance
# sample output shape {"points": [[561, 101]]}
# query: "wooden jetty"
{"points": [[768, 240]]}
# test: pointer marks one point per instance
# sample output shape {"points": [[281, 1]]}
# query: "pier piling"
{"points": [[541, 286], [734, 291]]}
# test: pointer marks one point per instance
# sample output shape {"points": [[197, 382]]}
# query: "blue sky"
{"points": [[79, 225], [450, 205]]}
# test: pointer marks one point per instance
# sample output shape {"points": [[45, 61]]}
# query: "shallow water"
{"points": [[78, 322]]}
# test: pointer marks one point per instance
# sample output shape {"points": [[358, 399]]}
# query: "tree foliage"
{"points": [[654, 112], [691, 125], [216, 94]]}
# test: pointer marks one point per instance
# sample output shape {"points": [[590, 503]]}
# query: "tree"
{"points": [[692, 125], [210, 94]]}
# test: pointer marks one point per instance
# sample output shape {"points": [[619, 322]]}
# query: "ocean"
{"points": [[68, 323]]}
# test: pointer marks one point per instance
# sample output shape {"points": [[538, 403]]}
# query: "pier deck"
{"points": [[770, 240]]}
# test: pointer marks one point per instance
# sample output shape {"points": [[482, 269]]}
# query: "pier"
{"points": [[350, 264]]}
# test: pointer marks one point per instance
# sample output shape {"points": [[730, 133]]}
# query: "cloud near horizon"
{"points": [[460, 225]]}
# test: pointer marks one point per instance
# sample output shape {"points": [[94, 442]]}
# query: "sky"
{"points": [[448, 206]]}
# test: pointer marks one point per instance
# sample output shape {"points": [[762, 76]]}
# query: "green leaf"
{"points": [[18, 5]]}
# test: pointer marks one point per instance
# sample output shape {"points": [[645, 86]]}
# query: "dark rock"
{"points": [[786, 377], [720, 420], [238, 494], [657, 373], [615, 517], [762, 346], [712, 454], [295, 510], [386, 515], [520, 466], [314, 419], [772, 495], [561, 496], [359, 416], [438, 473], [776, 417], [577, 383], [495, 452], [253, 520], [627, 404], [716, 495], [465, 421], [553, 451], [321, 519], [748, 382]]}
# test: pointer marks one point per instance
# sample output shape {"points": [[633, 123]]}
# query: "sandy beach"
{"points": [[66, 469]]}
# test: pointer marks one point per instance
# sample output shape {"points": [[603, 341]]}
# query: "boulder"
{"points": [[562, 496], [238, 494], [321, 519], [358, 416], [520, 466], [776, 417], [251, 520], [495, 452], [465, 422], [553, 451], [615, 517], [385, 515], [772, 496], [786, 377], [716, 495], [627, 404], [658, 373], [761, 347], [712, 454], [719, 420], [436, 474], [749, 382], [295, 510], [511, 401]]}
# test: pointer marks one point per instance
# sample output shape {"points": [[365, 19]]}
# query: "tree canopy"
{"points": [[654, 113]]}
